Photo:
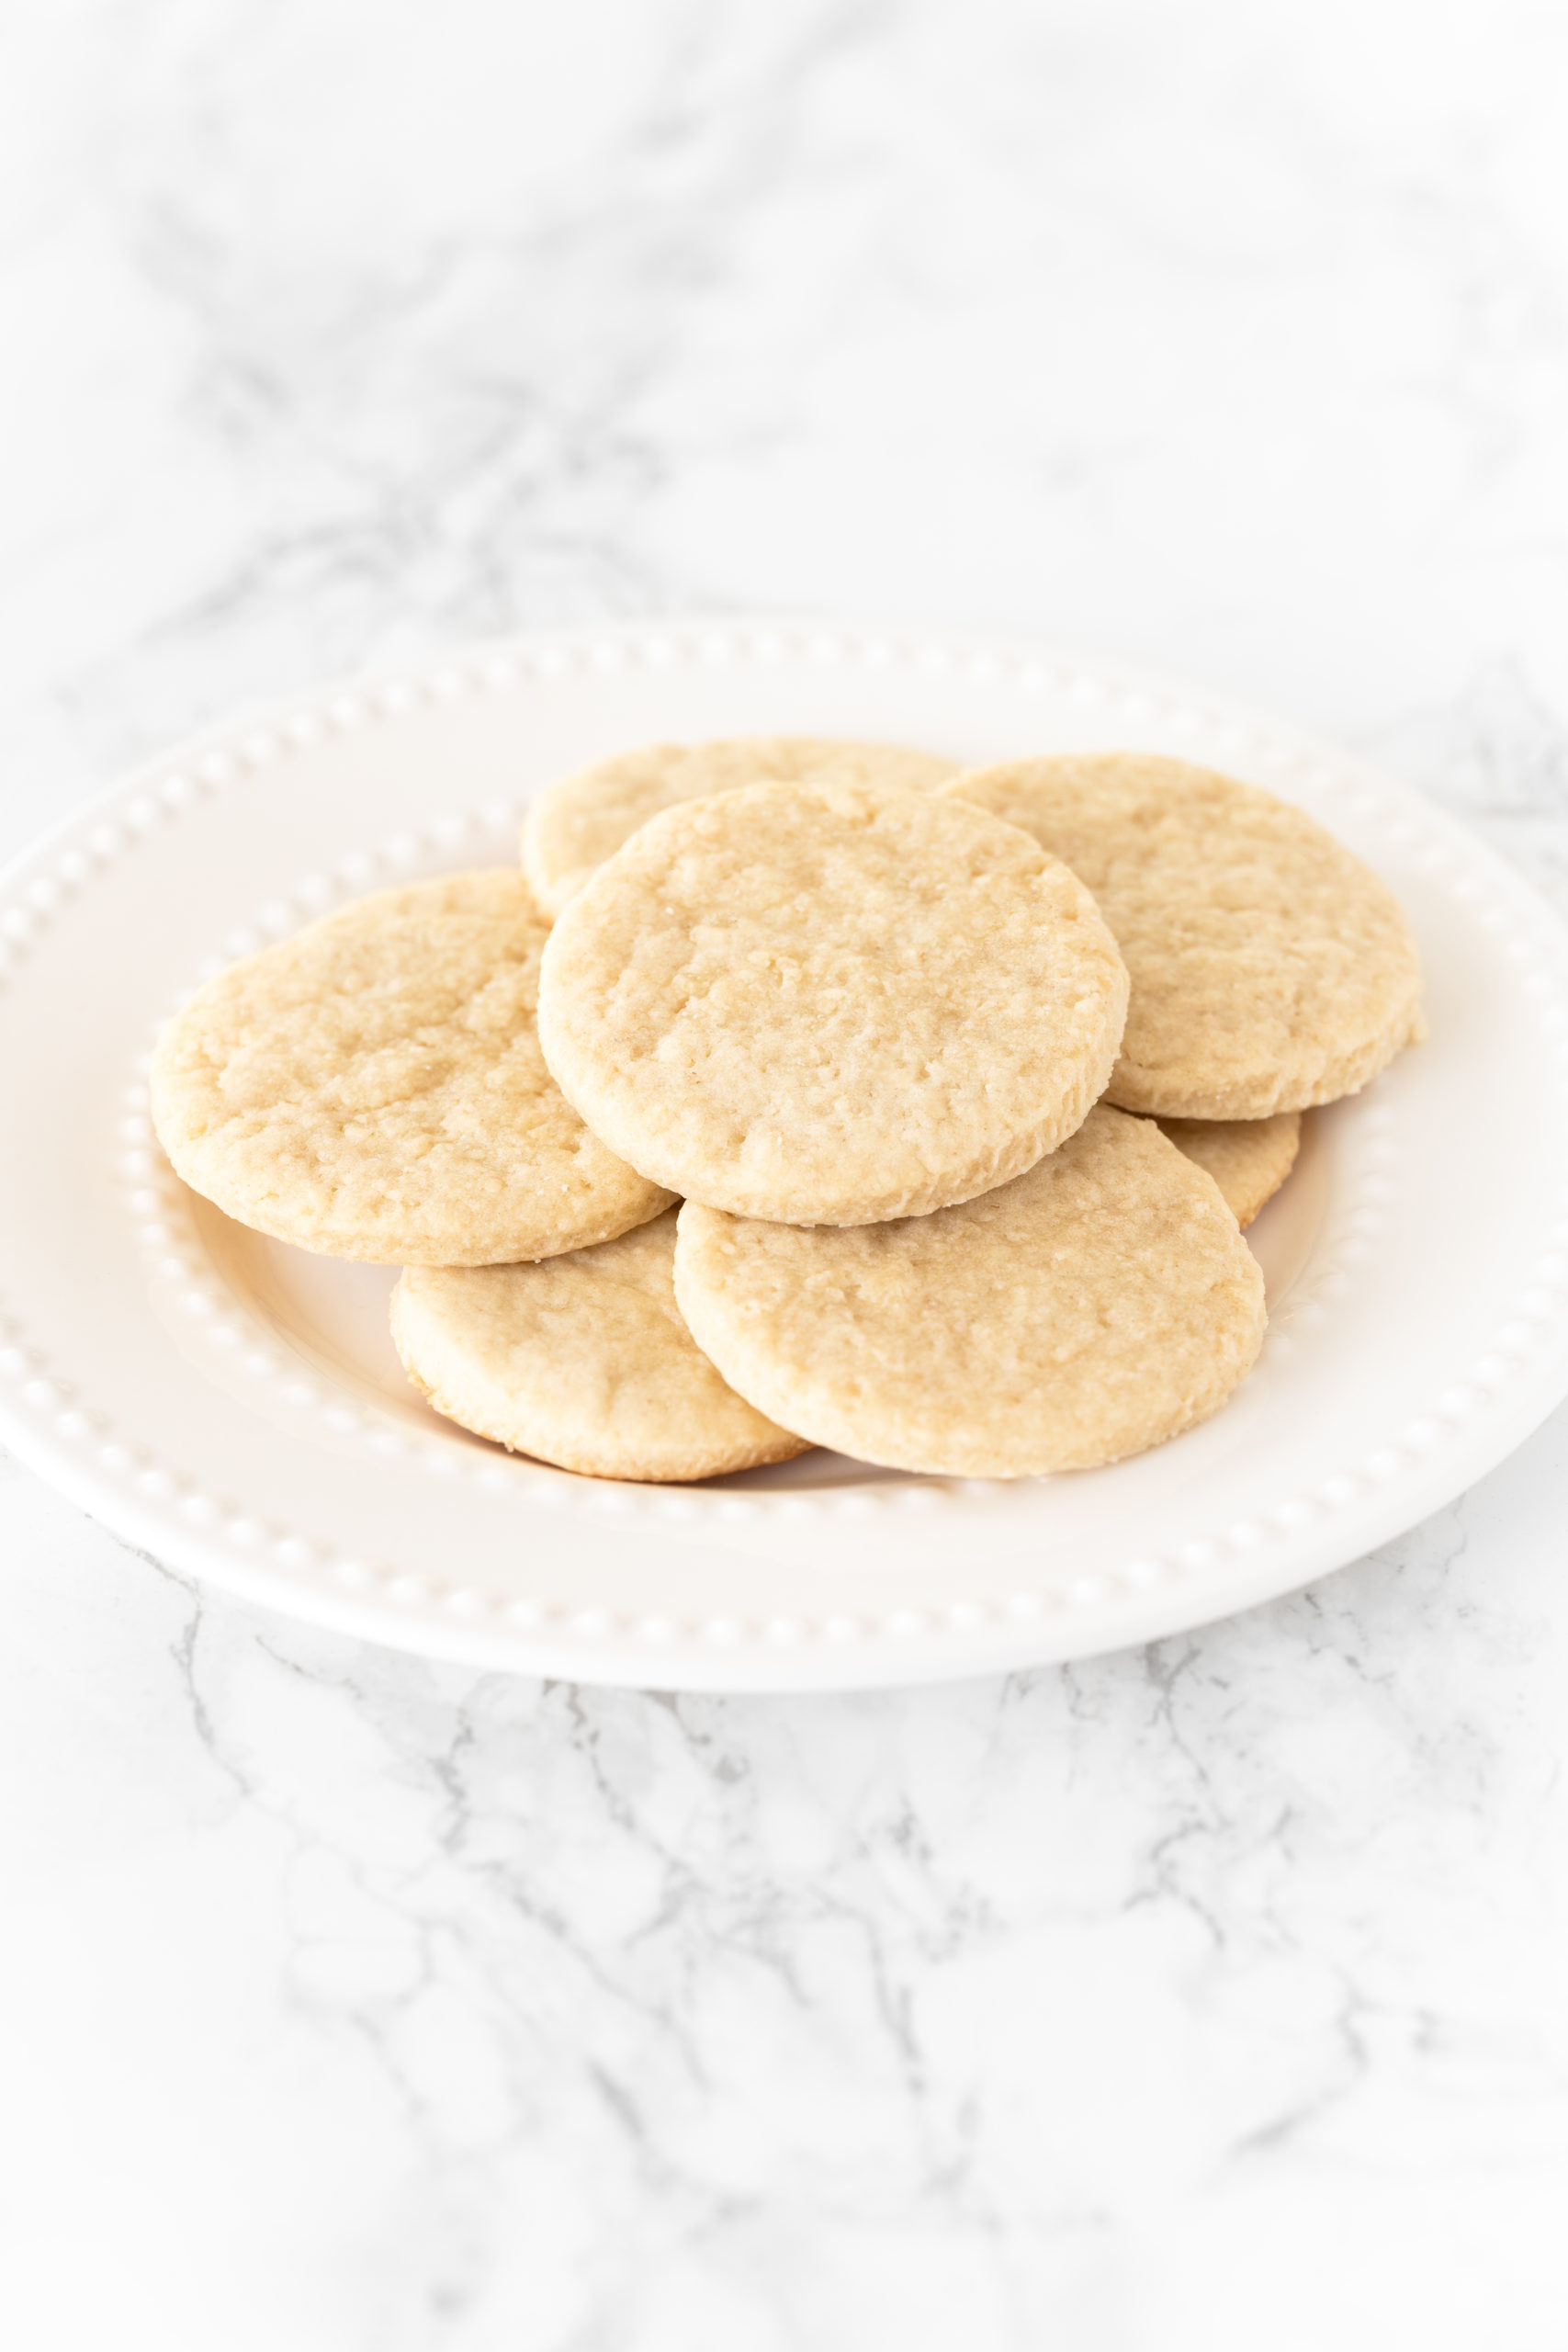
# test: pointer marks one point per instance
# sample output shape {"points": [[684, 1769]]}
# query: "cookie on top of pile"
{"points": [[798, 1092]]}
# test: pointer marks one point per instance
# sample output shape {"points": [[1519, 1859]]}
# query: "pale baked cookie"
{"points": [[583, 1360], [374, 1088], [1249, 1159], [1271, 969], [574, 825], [830, 1001], [1098, 1303]]}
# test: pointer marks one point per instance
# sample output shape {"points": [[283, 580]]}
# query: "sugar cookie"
{"points": [[1271, 969], [1249, 1159], [830, 1001], [374, 1088], [581, 1360], [1097, 1304], [575, 824]]}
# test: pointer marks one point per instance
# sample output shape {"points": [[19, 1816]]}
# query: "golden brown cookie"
{"points": [[575, 824], [1098, 1303], [1249, 1159], [1271, 969], [374, 1088], [583, 1360], [831, 1001]]}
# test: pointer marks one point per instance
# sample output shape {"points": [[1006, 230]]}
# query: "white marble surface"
{"points": [[1203, 1998]]}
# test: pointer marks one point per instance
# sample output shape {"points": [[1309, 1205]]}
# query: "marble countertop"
{"points": [[1194, 1997]]}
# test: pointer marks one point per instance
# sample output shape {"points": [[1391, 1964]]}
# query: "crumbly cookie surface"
{"points": [[575, 824], [1098, 1303], [583, 1360], [374, 1088], [831, 1001], [1249, 1159], [1271, 969]]}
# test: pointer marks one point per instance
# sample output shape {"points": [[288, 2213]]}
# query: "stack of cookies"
{"points": [[813, 1093]]}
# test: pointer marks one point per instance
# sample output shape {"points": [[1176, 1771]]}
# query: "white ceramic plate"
{"points": [[235, 1405]]}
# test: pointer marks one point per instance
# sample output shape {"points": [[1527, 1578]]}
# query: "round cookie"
{"points": [[831, 1001], [1249, 1159], [1098, 1303], [575, 824], [1271, 969], [373, 1088], [581, 1360]]}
